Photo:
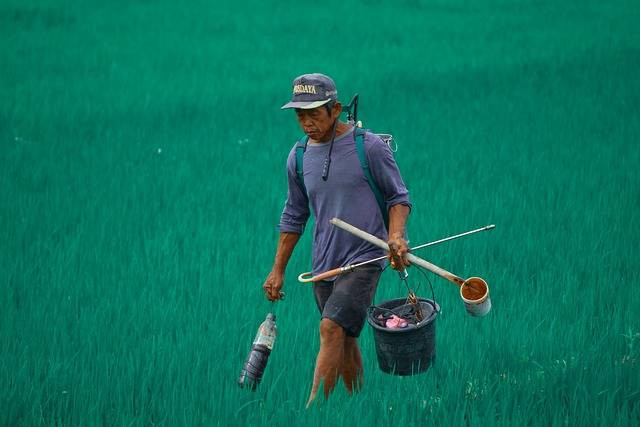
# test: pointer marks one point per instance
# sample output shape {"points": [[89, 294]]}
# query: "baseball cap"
{"points": [[312, 91]]}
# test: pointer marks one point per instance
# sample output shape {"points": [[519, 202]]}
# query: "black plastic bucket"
{"points": [[405, 351]]}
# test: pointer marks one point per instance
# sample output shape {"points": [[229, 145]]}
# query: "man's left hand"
{"points": [[398, 249]]}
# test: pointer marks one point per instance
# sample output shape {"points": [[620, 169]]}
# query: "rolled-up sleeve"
{"points": [[386, 173], [296, 209]]}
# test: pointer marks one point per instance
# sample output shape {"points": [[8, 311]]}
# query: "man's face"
{"points": [[317, 122]]}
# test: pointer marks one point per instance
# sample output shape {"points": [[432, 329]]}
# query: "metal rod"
{"points": [[485, 228]]}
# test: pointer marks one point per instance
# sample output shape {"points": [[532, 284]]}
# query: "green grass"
{"points": [[142, 176]]}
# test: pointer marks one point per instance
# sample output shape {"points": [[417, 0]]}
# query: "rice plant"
{"points": [[142, 178]]}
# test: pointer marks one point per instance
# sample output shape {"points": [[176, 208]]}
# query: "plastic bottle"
{"points": [[259, 355]]}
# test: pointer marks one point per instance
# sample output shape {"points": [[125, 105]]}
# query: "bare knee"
{"points": [[330, 331]]}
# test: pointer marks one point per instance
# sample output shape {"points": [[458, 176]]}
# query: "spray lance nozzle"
{"points": [[352, 111]]}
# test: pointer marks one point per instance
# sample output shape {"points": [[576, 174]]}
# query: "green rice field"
{"points": [[142, 154]]}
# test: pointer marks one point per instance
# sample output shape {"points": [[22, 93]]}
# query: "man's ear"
{"points": [[336, 110]]}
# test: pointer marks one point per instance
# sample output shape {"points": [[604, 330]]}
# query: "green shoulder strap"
{"points": [[301, 146], [362, 156]]}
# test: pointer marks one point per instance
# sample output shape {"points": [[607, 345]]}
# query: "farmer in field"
{"points": [[339, 190]]}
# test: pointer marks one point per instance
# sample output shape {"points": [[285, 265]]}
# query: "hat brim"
{"points": [[304, 105]]}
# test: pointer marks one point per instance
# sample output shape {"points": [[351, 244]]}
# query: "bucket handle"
{"points": [[433, 294], [371, 308]]}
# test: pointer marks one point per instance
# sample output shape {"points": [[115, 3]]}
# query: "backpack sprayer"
{"points": [[352, 119]]}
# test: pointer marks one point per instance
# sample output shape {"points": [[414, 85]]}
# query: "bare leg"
{"points": [[330, 358], [352, 366]]}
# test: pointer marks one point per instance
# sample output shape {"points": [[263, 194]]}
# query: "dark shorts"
{"points": [[346, 300]]}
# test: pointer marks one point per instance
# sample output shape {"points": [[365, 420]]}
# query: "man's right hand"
{"points": [[273, 285]]}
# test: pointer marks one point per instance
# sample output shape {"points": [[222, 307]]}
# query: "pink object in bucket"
{"points": [[395, 322]]}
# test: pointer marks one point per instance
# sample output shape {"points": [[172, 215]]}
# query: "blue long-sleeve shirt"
{"points": [[345, 195]]}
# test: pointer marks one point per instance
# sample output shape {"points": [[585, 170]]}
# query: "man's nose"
{"points": [[305, 120]]}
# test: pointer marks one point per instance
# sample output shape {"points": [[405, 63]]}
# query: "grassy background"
{"points": [[142, 176]]}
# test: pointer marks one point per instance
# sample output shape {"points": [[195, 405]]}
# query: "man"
{"points": [[334, 185]]}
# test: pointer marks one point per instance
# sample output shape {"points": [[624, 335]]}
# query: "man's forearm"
{"points": [[398, 215], [286, 243]]}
